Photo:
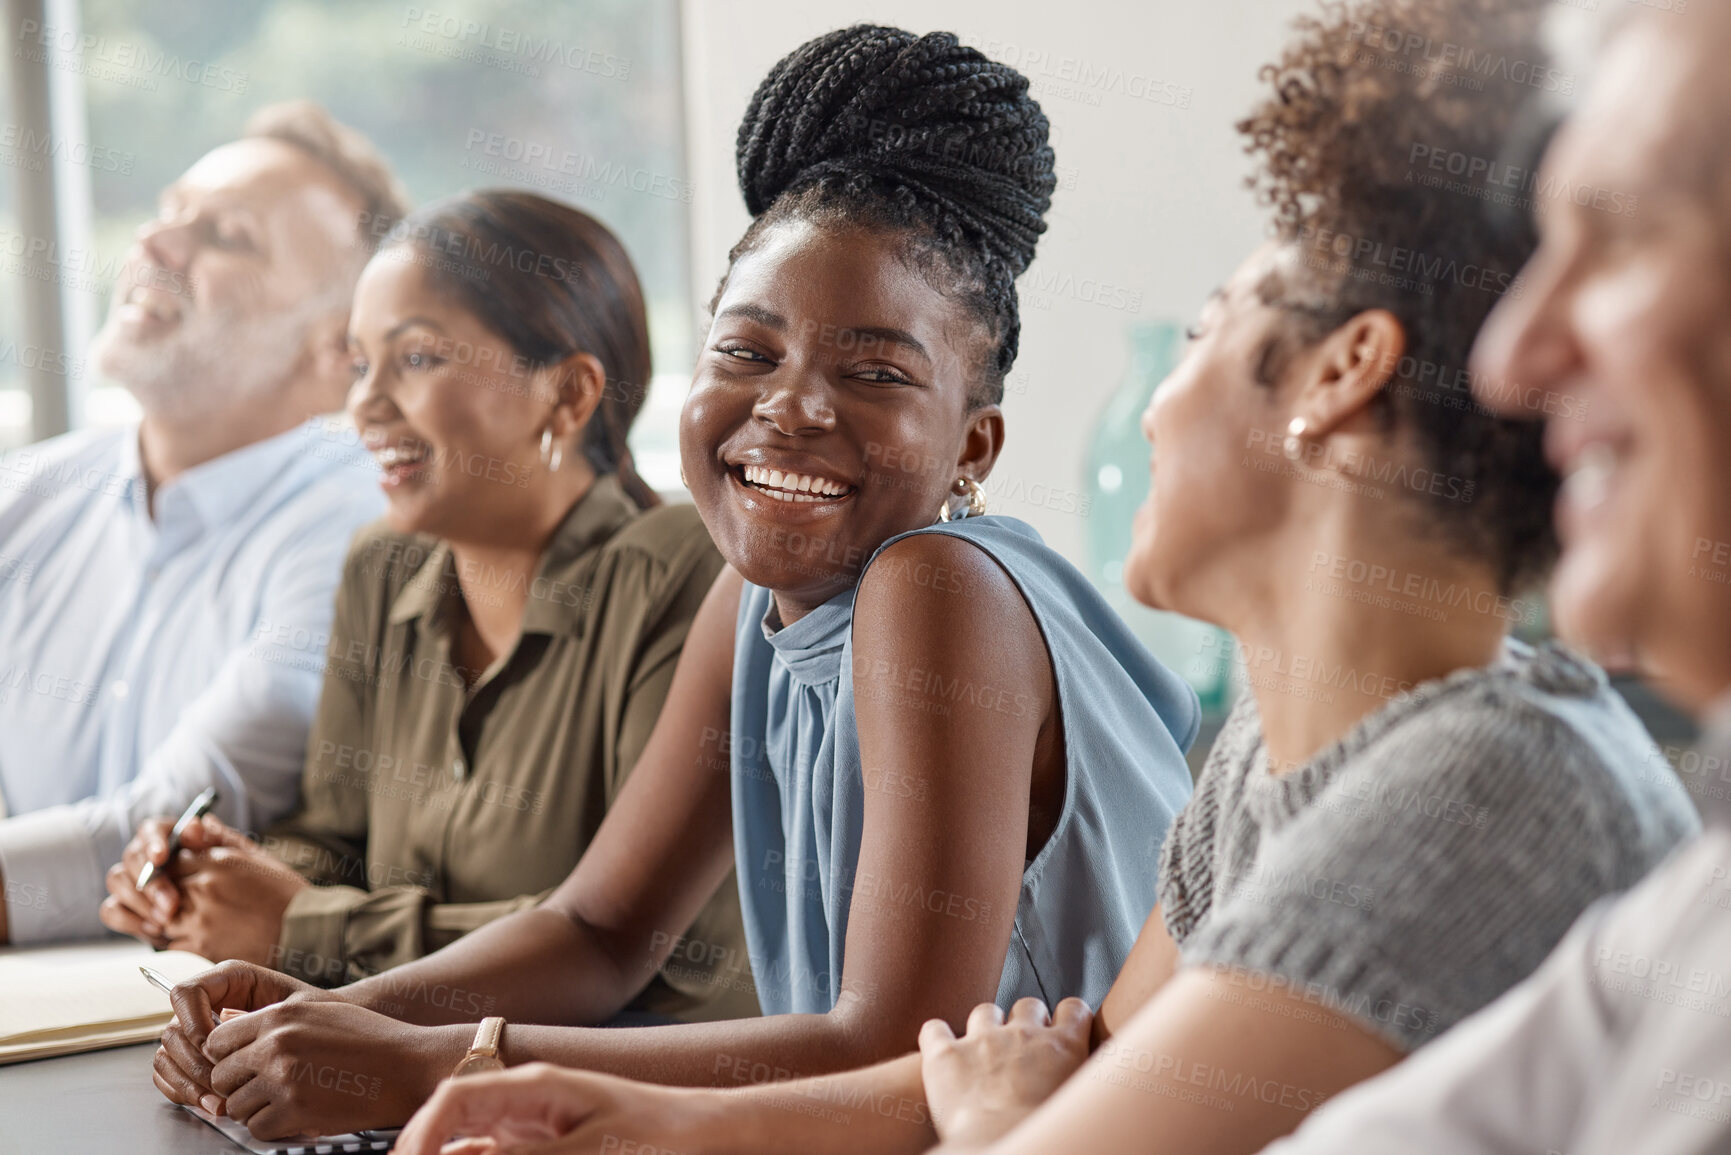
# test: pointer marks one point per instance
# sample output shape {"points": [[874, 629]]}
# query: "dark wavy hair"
{"points": [[552, 281], [878, 128], [1362, 90]]}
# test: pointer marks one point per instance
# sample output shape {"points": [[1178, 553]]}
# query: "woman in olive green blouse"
{"points": [[502, 642]]}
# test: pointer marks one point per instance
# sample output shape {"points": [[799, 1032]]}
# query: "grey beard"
{"points": [[210, 364]]}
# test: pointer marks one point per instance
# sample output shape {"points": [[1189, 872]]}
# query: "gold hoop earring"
{"points": [[1293, 446], [552, 453], [976, 507]]}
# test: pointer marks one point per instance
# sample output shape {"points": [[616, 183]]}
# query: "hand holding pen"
{"points": [[145, 914], [203, 1004], [160, 981], [210, 1101], [199, 807]]}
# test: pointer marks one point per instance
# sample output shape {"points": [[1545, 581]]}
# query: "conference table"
{"points": [[98, 1103]]}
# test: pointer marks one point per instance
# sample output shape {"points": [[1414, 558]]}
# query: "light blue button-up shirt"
{"points": [[144, 658]]}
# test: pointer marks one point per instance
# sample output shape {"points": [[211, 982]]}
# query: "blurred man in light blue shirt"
{"points": [[159, 584]]}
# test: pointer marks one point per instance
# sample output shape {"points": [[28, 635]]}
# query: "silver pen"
{"points": [[158, 980], [199, 808]]}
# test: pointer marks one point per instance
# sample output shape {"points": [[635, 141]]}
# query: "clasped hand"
{"points": [[222, 897], [301, 1061]]}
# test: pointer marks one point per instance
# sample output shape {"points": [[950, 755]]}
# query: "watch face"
{"points": [[476, 1065]]}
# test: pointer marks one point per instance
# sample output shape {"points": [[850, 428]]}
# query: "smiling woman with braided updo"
{"points": [[939, 762]]}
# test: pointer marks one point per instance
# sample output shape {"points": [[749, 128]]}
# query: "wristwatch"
{"points": [[484, 1051]]}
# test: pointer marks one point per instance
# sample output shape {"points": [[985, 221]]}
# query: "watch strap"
{"points": [[487, 1037]]}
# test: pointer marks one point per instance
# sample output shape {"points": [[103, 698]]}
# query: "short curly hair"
{"points": [[1367, 98], [878, 128]]}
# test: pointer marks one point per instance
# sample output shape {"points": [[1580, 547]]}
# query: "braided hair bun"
{"points": [[883, 129]]}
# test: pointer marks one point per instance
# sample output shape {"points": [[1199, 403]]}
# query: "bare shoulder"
{"points": [[937, 591]]}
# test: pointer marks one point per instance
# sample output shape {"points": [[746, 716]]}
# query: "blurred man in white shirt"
{"points": [[1621, 1042], [165, 586]]}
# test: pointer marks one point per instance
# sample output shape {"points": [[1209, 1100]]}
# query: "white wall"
{"points": [[1150, 213]]}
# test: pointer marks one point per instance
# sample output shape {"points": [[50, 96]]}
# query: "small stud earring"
{"points": [[1293, 446]]}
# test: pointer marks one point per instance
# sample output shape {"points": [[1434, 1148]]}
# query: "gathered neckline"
{"points": [[811, 647]]}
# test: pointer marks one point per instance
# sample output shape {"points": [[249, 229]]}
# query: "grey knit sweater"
{"points": [[1431, 858]]}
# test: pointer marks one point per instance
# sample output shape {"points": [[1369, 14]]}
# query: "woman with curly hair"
{"points": [[936, 758], [1409, 809]]}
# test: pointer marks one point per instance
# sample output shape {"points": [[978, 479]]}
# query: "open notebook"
{"points": [[57, 1000]]}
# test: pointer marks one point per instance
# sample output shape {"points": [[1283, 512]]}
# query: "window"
{"points": [[579, 101], [14, 401]]}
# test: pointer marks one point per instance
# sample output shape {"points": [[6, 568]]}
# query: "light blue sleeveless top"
{"points": [[798, 796]]}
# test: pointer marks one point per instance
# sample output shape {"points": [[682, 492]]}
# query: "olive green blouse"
{"points": [[430, 808]]}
